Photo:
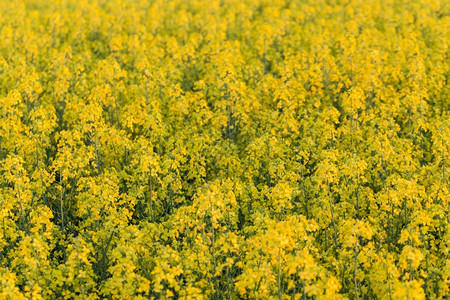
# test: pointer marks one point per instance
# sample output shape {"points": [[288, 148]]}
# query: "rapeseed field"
{"points": [[224, 149]]}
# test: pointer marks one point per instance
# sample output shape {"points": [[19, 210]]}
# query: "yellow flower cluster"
{"points": [[224, 149]]}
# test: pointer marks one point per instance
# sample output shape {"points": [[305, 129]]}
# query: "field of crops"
{"points": [[224, 149]]}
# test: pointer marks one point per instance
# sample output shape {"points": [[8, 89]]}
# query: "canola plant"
{"points": [[224, 149]]}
